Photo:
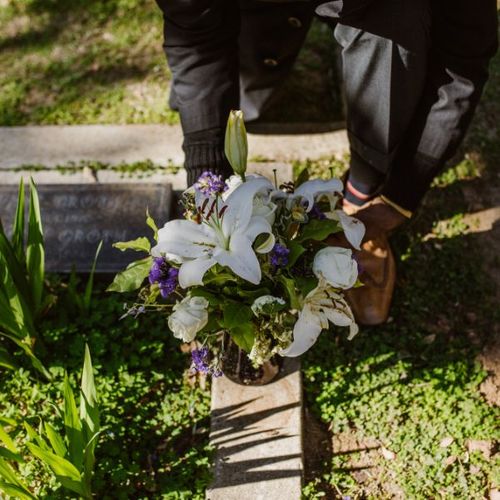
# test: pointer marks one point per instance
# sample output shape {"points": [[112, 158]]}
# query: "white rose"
{"points": [[336, 266], [188, 317]]}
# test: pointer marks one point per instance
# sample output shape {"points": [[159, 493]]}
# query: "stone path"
{"points": [[257, 432], [113, 144]]}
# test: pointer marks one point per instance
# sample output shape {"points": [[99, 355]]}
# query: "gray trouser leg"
{"points": [[464, 39], [271, 36], [384, 55]]}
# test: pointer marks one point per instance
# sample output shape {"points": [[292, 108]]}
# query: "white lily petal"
{"points": [[240, 258], [305, 333], [267, 245], [354, 229], [191, 272], [311, 189], [185, 239], [353, 331], [259, 225], [240, 203]]}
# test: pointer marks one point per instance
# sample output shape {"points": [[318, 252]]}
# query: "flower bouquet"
{"points": [[248, 268]]}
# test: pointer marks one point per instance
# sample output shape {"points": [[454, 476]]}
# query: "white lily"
{"points": [[353, 228], [321, 305], [312, 191], [225, 236], [262, 204]]}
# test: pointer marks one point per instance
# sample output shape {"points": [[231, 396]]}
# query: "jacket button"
{"points": [[270, 62], [295, 22]]}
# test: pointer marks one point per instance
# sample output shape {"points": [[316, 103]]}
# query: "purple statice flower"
{"points": [[210, 184], [163, 274], [201, 363], [279, 255], [199, 357], [317, 213]]}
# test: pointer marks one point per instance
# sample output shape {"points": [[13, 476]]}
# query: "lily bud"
{"points": [[236, 145]]}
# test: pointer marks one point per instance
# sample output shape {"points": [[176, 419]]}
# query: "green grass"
{"points": [[391, 399], [155, 442], [84, 62], [75, 61]]}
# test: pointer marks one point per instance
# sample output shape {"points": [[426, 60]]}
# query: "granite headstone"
{"points": [[77, 217]]}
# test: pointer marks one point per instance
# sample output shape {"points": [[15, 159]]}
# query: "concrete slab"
{"points": [[54, 145], [83, 176], [284, 173], [257, 432]]}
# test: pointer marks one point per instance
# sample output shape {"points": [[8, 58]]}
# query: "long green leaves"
{"points": [[10, 482], [22, 277], [69, 456], [18, 228], [35, 253]]}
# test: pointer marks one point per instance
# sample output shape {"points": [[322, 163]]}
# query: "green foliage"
{"points": [[70, 457], [407, 385], [22, 274], [318, 229], [118, 74], [141, 244], [237, 319], [83, 302], [132, 277], [154, 421]]}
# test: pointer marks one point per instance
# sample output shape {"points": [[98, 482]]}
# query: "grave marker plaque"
{"points": [[76, 217]]}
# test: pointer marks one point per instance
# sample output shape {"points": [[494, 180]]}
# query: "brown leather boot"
{"points": [[371, 303]]}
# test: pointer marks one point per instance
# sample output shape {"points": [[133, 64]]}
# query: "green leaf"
{"points": [[235, 314], [9, 455], [20, 492], [16, 269], [17, 318], [302, 177], [89, 461], [66, 473], [133, 276], [141, 244], [211, 297], [305, 285], [73, 426], [318, 229], [35, 254], [7, 441], [75, 296], [8, 473], [152, 224], [296, 250], [87, 296], [289, 285], [33, 436], [55, 440], [243, 336], [18, 227], [251, 295], [6, 360], [89, 412]]}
